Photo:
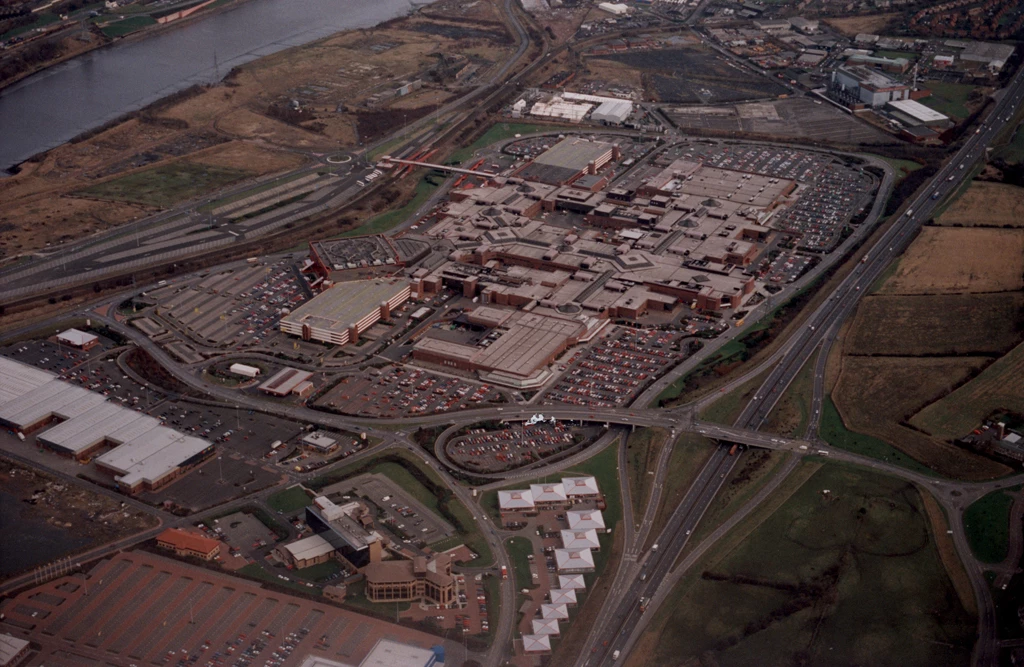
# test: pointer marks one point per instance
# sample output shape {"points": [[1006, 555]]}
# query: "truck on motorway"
{"points": [[732, 450], [910, 213], [936, 194], [864, 259], [504, 572], [654, 547], [643, 604], [615, 654]]}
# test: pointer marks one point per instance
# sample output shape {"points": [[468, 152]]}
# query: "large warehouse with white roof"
{"points": [[146, 455]]}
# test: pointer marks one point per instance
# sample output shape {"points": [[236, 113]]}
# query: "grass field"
{"points": [[385, 221], [998, 387], [729, 406], [643, 447], [987, 526], [689, 455], [949, 98], [320, 570], [127, 26], [947, 324], [792, 413], [851, 577], [1013, 151], [289, 500], [834, 432], [902, 167], [518, 549], [165, 186], [987, 205], [945, 260], [500, 132]]}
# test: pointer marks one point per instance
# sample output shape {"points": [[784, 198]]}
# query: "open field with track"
{"points": [[946, 324], [986, 205], [944, 260]]}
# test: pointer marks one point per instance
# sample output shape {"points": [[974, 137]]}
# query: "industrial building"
{"points": [[585, 520], [407, 580], [556, 496], [574, 561], [616, 9], [566, 596], [78, 339], [13, 650], [613, 112], [288, 381], [306, 552], [516, 351], [862, 87], [186, 543], [987, 54], [536, 644], [390, 653], [580, 539], [913, 113], [244, 370], [348, 528], [341, 313], [569, 159], [79, 422]]}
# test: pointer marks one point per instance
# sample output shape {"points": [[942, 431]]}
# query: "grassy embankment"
{"points": [[643, 447], [843, 571], [987, 526]]}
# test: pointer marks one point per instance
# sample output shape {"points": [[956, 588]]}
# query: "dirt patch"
{"points": [[873, 23], [695, 76], [248, 157], [947, 553], [876, 395], [986, 205], [375, 124], [39, 222], [247, 124], [944, 260], [89, 517], [920, 325]]}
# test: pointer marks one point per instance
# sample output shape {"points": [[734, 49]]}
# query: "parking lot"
{"points": [[237, 308], [835, 193], [399, 391], [615, 369], [787, 267], [518, 445], [142, 608], [823, 211], [413, 523]]}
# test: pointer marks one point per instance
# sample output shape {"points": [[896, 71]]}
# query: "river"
{"points": [[49, 108]]}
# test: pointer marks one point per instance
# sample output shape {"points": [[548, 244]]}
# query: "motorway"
{"points": [[821, 330]]}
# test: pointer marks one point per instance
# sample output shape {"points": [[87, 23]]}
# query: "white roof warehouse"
{"points": [[145, 454]]}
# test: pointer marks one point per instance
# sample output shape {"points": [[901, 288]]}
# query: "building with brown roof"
{"points": [[408, 580], [186, 543]]}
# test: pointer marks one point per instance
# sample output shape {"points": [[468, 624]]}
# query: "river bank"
{"points": [[278, 109], [98, 40]]}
